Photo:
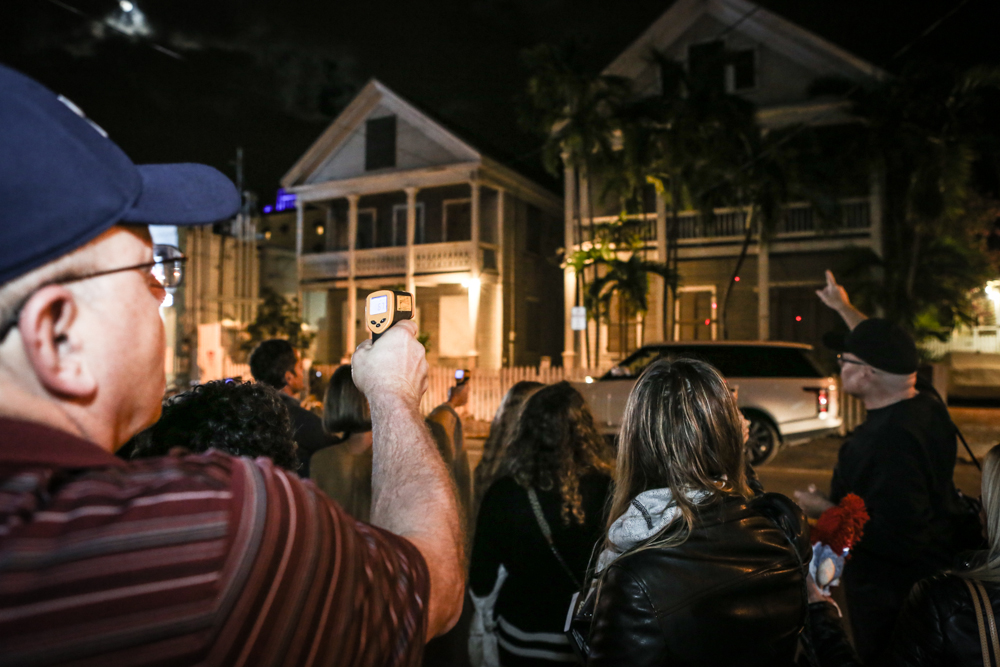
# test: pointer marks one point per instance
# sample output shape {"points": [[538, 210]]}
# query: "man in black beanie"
{"points": [[901, 461]]}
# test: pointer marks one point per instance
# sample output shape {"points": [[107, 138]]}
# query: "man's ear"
{"points": [[54, 347], [289, 377]]}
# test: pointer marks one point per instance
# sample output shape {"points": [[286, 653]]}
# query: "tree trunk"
{"points": [[747, 238], [911, 270]]}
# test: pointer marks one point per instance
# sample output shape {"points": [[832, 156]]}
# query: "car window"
{"points": [[732, 361]]}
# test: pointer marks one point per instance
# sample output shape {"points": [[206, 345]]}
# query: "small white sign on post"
{"points": [[578, 318]]}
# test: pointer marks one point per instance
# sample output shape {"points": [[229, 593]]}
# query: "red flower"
{"points": [[841, 526]]}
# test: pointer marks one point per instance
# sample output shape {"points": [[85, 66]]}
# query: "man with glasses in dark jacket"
{"points": [[900, 461]]}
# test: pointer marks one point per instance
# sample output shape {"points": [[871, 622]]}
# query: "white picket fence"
{"points": [[487, 386]]}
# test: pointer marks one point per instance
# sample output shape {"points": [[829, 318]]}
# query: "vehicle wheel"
{"points": [[764, 441]]}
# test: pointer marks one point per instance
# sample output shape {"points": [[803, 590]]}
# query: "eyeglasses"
{"points": [[841, 359], [166, 271]]}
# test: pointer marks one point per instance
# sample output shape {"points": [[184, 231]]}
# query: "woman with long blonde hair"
{"points": [[691, 572]]}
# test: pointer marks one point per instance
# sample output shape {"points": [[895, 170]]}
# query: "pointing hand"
{"points": [[834, 295]]}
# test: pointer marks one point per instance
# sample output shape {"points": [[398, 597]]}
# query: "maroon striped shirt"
{"points": [[191, 560]]}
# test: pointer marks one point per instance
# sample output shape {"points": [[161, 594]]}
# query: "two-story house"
{"points": [[771, 62], [387, 197]]}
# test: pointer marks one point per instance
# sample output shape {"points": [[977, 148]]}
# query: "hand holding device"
{"points": [[396, 369], [386, 307]]}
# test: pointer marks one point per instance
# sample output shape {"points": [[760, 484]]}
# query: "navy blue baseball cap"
{"points": [[63, 182]]}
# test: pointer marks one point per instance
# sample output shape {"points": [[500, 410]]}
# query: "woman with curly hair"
{"points": [[536, 531], [494, 462], [239, 418]]}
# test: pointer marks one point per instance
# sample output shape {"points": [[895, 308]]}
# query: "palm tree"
{"points": [[621, 270], [574, 111], [925, 132], [689, 142]]}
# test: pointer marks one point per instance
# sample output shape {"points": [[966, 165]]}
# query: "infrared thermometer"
{"points": [[386, 307]]}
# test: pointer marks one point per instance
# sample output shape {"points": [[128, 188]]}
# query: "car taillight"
{"points": [[823, 403]]}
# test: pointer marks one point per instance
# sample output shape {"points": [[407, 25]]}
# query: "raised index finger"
{"points": [[830, 280]]}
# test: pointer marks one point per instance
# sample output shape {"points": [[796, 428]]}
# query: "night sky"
{"points": [[270, 76]]}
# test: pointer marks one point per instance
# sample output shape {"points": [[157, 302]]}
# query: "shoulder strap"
{"points": [[547, 533], [983, 608], [934, 392]]}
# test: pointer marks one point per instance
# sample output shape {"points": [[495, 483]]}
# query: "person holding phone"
{"points": [[446, 427]]}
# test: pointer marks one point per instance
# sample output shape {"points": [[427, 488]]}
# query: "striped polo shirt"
{"points": [[191, 560]]}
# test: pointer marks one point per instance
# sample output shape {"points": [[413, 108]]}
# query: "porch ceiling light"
{"points": [[993, 291], [471, 283]]}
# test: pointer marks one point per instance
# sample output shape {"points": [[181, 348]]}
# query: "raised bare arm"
{"points": [[835, 296], [412, 494]]}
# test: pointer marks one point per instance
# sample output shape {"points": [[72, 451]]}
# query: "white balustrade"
{"points": [[428, 258]]}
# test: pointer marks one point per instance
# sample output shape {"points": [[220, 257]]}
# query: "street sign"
{"points": [[578, 318]]}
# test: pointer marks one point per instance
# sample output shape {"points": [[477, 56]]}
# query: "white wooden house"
{"points": [[771, 62], [389, 197]]}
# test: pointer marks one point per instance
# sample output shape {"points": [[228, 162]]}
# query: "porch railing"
{"points": [[796, 218], [389, 261]]}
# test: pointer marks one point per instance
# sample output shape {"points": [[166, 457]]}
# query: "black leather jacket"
{"points": [[938, 624], [732, 594]]}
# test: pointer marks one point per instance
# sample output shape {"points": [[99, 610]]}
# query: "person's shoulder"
{"points": [[946, 592], [502, 490], [180, 468]]}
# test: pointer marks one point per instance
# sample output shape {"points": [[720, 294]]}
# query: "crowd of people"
{"points": [[234, 526]]}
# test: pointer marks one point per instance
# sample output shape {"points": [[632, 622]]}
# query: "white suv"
{"points": [[779, 389]]}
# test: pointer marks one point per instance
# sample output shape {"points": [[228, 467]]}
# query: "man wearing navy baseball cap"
{"points": [[901, 462], [196, 559]]}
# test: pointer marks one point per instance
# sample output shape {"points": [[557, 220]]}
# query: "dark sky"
{"points": [[270, 76]]}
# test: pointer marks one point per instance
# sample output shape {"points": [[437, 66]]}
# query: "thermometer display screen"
{"points": [[379, 305]]}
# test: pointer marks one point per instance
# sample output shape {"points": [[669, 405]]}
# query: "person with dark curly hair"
{"points": [[502, 431], [536, 530], [239, 418]]}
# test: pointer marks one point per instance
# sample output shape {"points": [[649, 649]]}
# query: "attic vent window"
{"points": [[706, 63], [718, 68], [740, 71], [380, 143]]}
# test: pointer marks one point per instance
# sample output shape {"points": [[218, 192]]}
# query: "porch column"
{"points": [[475, 284], [352, 288], [660, 329], [875, 211], [411, 233], [763, 291], [299, 242], [571, 342], [498, 294]]}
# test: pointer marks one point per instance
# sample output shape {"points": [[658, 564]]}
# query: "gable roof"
{"points": [[752, 20], [376, 100], [428, 154]]}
